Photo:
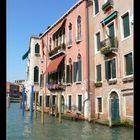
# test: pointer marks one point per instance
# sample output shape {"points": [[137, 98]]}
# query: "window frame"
{"points": [[95, 14], [97, 73], [121, 26], [97, 104], [37, 47], [78, 39]]}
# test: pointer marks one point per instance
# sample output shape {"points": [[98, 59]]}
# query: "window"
{"points": [[126, 26], [69, 72], [79, 102], [96, 6], [41, 80], [128, 64], [77, 68], [79, 28], [37, 49], [69, 106], [110, 69], [53, 100], [47, 101], [36, 74], [98, 70], [99, 104], [70, 35], [40, 100], [98, 41], [50, 44]]}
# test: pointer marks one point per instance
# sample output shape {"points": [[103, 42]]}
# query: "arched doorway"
{"points": [[114, 107]]}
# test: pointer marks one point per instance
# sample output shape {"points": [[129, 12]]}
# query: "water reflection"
{"points": [[53, 130]]}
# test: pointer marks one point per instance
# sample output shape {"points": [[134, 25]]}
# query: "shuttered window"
{"points": [[68, 74], [126, 26], [40, 100], [113, 64], [96, 6], [36, 74], [47, 101], [37, 48], [99, 104], [74, 71], [79, 70], [79, 102], [110, 69], [98, 41], [41, 80], [69, 102], [128, 64], [98, 70]]}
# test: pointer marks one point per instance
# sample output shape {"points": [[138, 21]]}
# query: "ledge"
{"points": [[127, 79], [112, 81]]}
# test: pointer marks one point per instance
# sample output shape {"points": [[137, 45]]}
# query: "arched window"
{"points": [[69, 71], [79, 28], [37, 50], [36, 74], [70, 34]]}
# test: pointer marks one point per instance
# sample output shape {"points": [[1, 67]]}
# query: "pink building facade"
{"points": [[64, 63]]}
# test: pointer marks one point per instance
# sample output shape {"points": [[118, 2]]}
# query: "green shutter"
{"points": [[79, 102], [96, 6], [79, 70], [68, 78], [69, 102], [98, 68], [107, 70], [111, 34], [113, 62], [74, 70], [98, 41], [126, 28], [129, 69]]}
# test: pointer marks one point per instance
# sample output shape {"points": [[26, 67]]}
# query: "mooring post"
{"points": [[31, 102], [35, 115], [20, 99], [23, 106], [56, 106], [60, 108], [42, 114]]}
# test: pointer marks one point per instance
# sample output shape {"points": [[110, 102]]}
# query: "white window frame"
{"points": [[68, 101], [77, 102], [96, 73], [95, 37], [121, 26], [124, 64], [94, 8]]}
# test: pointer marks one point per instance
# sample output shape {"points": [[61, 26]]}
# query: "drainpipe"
{"points": [[88, 75]]}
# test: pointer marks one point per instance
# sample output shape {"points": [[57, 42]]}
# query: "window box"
{"points": [[107, 5], [98, 84]]}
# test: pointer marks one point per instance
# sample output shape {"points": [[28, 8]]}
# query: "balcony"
{"points": [[109, 45], [56, 86], [57, 51], [107, 5]]}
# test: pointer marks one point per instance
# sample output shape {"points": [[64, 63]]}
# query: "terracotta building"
{"points": [[64, 64]]}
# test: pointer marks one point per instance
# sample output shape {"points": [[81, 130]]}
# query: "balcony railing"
{"points": [[57, 50], [107, 5], [109, 45], [55, 86]]}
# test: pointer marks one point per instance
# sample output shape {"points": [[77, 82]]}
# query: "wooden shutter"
{"points": [[129, 69], [79, 102], [107, 70], [74, 71], [98, 68], [113, 63], [79, 70], [96, 6], [70, 102], [98, 41], [126, 27]]}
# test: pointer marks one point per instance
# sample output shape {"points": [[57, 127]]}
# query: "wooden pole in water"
{"points": [[60, 108], [20, 101], [35, 115], [31, 102], [42, 114], [56, 107]]}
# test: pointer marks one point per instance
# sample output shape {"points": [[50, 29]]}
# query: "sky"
{"points": [[26, 18]]}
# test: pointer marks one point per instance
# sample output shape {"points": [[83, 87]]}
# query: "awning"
{"points": [[25, 55], [110, 17], [53, 64]]}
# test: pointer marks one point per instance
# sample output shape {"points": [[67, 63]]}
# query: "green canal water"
{"points": [[23, 129]]}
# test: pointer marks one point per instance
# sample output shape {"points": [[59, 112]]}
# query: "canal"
{"points": [[23, 129]]}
